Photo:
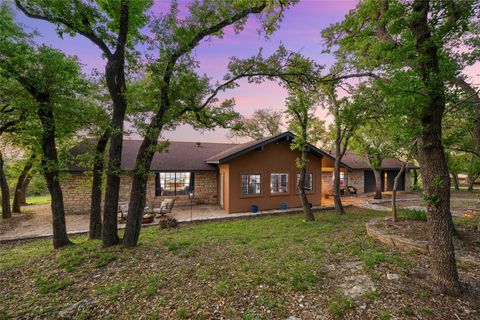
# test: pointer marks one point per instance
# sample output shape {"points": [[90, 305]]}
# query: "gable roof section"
{"points": [[244, 148], [357, 162], [180, 156]]}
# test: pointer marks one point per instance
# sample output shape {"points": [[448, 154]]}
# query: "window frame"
{"points": [[181, 176], [273, 193], [253, 195]]}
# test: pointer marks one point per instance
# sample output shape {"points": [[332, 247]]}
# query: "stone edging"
{"points": [[403, 243]]}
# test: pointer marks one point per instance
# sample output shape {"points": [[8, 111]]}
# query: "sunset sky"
{"points": [[299, 31]]}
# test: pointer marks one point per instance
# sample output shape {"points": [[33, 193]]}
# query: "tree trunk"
{"points": [[139, 187], [23, 194], [115, 76], [18, 196], [336, 172], [95, 231], [456, 184], [433, 164], [339, 209], [50, 167], [470, 182], [309, 216], [378, 183], [6, 209], [394, 191]]}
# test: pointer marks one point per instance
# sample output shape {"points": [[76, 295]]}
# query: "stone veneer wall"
{"points": [[327, 183], [77, 187], [356, 179]]}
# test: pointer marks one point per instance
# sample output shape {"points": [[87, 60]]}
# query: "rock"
{"points": [[392, 276], [292, 318], [71, 309], [416, 208], [356, 286], [354, 265]]}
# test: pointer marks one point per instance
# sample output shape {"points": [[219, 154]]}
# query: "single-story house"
{"points": [[233, 176], [360, 174]]}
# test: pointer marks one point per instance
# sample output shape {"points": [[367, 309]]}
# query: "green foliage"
{"points": [[154, 283], [384, 314], [45, 81], [380, 38], [411, 214], [303, 123], [96, 20], [182, 313], [51, 285], [104, 258], [432, 199], [340, 305], [263, 123]]}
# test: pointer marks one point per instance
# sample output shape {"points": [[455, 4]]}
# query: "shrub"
{"points": [[416, 187], [412, 214]]}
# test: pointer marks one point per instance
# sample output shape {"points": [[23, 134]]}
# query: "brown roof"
{"points": [[357, 162], [243, 148], [180, 156]]}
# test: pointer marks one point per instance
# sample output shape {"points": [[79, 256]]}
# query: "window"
{"points": [[308, 182], [173, 183], [279, 183], [251, 184]]}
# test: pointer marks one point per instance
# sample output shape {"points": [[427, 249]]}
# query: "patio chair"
{"points": [[352, 190], [123, 210], [166, 206]]}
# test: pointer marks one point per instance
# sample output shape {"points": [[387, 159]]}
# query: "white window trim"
{"points": [[271, 184]]}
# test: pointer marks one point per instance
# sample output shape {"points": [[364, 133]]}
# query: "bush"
{"points": [[412, 214], [38, 186], [416, 187]]}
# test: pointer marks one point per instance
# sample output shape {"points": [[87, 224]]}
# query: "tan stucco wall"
{"points": [[274, 158], [76, 191]]}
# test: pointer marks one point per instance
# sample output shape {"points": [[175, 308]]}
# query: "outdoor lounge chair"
{"points": [[123, 212], [166, 206]]}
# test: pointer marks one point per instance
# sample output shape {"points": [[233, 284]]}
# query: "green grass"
{"points": [[340, 305], [254, 267], [39, 199], [413, 214], [52, 285]]}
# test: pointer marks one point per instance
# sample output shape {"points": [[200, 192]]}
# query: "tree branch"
{"points": [[89, 34]]}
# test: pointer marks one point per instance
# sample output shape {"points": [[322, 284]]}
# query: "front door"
{"points": [[369, 181]]}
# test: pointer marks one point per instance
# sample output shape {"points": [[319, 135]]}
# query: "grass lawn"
{"points": [[265, 268], [39, 199]]}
